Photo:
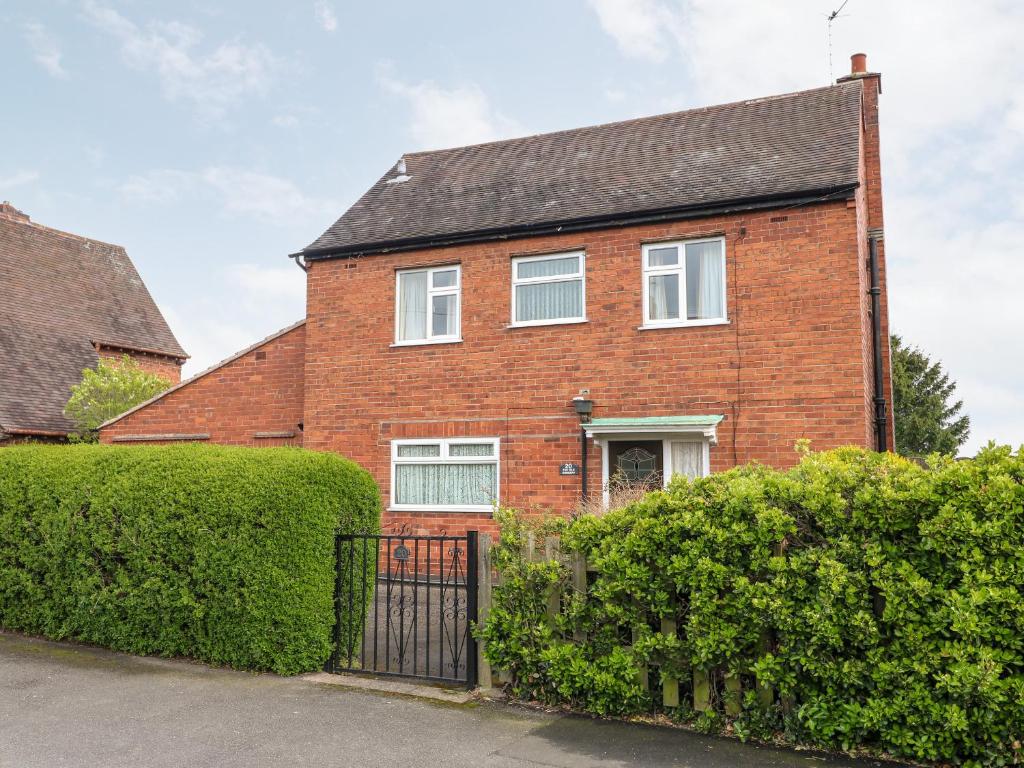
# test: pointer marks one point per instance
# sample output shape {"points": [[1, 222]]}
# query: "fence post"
{"points": [[554, 606], [701, 690], [669, 685], [641, 669], [733, 694], [485, 584], [472, 598], [579, 584]]}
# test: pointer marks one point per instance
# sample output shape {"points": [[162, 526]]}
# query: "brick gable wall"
{"points": [[255, 399]]}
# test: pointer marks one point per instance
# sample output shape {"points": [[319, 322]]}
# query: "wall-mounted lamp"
{"points": [[584, 407]]}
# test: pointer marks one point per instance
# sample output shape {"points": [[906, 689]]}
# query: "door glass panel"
{"points": [[637, 464]]}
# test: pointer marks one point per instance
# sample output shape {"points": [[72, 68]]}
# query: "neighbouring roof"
{"points": [[761, 149], [201, 374], [60, 296]]}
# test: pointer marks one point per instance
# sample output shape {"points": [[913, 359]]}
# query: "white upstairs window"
{"points": [[684, 283], [547, 290], [427, 305]]}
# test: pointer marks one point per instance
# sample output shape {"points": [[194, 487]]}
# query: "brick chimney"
{"points": [[871, 88], [8, 211]]}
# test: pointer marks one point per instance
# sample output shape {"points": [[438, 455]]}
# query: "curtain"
{"points": [[549, 301], [569, 265], [663, 297], [704, 281], [688, 459], [409, 451], [446, 484], [470, 449], [412, 306]]}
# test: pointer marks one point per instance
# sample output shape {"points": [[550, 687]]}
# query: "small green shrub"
{"points": [[224, 555], [883, 601]]}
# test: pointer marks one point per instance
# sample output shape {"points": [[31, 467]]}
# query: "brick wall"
{"points": [[243, 402], [165, 367], [789, 364]]}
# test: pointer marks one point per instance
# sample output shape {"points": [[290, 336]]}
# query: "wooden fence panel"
{"points": [[579, 567]]}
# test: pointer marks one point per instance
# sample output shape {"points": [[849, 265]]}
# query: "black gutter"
{"points": [[582, 224], [876, 344]]}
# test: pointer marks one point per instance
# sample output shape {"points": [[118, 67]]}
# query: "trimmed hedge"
{"points": [[883, 601], [221, 554]]}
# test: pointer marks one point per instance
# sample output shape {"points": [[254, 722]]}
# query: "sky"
{"points": [[212, 139]]}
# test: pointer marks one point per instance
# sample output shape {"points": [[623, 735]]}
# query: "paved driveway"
{"points": [[66, 705]]}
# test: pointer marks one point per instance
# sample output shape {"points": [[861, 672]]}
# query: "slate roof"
{"points": [[805, 142], [60, 294]]}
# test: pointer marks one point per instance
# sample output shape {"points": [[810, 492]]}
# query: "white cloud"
{"points": [[17, 179], [212, 80], [643, 29], [952, 118], [450, 117], [325, 16], [238, 191], [285, 121], [45, 49]]}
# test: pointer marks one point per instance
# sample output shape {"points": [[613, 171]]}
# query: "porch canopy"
{"points": [[655, 427]]}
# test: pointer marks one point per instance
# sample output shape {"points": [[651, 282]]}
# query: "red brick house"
{"points": [[710, 283], [65, 302]]}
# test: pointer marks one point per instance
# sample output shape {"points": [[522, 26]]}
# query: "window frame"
{"points": [[452, 290], [679, 269], [445, 458], [581, 275]]}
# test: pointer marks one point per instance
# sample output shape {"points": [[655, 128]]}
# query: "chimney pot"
{"points": [[858, 63]]}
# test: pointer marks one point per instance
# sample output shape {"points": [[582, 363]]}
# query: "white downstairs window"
{"points": [[427, 305], [549, 289], [684, 283], [457, 474]]}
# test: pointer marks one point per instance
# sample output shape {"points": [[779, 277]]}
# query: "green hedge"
{"points": [[882, 600], [219, 554]]}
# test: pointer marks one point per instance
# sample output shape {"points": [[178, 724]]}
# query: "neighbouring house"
{"points": [[65, 302], [521, 321]]}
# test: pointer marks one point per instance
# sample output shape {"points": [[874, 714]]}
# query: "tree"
{"points": [[928, 420], [108, 391]]}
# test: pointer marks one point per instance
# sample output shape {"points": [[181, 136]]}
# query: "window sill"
{"points": [[688, 324], [412, 509], [425, 342], [544, 323]]}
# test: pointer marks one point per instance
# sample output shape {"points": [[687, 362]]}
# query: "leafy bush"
{"points": [[883, 602], [220, 554], [108, 391]]}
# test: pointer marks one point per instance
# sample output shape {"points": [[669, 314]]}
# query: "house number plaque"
{"points": [[568, 469]]}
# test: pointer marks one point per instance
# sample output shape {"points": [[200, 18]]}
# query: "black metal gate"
{"points": [[405, 605]]}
